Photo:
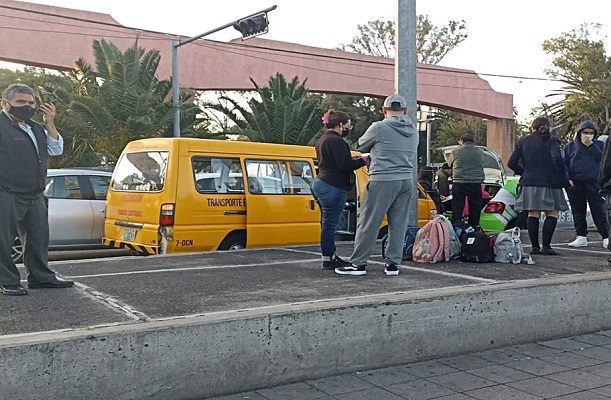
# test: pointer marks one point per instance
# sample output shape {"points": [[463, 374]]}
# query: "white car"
{"points": [[77, 206]]}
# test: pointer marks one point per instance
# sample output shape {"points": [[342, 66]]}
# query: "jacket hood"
{"points": [[402, 124], [587, 124]]}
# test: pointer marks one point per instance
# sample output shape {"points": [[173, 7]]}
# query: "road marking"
{"points": [[154, 271], [430, 271], [113, 303]]}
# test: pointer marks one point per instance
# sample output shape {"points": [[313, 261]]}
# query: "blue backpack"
{"points": [[410, 238]]}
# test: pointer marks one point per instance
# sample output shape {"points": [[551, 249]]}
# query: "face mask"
{"points": [[543, 130], [589, 137], [347, 131], [23, 113]]}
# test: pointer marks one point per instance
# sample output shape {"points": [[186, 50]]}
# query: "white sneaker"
{"points": [[606, 243], [581, 241]]}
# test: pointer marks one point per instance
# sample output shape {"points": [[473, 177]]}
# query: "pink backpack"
{"points": [[432, 242]]}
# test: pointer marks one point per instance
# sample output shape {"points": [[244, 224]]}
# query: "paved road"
{"points": [[136, 289], [576, 368]]}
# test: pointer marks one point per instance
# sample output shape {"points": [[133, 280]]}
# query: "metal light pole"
{"points": [[177, 43], [405, 77]]}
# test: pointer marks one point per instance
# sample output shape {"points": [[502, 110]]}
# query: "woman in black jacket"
{"points": [[335, 178], [538, 160]]}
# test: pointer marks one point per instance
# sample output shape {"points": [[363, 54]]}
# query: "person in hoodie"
{"points": [[392, 144], [538, 160], [335, 178], [582, 160], [467, 163]]}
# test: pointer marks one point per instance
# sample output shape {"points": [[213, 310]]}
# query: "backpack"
{"points": [[432, 242], [476, 246], [410, 238], [454, 241], [508, 247]]}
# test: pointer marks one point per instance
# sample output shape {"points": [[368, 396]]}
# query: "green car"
{"points": [[499, 213]]}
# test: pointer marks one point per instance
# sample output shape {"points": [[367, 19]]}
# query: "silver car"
{"points": [[77, 205]]}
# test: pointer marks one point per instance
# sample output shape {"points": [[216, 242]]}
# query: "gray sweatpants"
{"points": [[383, 197]]}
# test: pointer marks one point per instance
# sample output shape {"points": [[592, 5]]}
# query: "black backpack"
{"points": [[476, 246]]}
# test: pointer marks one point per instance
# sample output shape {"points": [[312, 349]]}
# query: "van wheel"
{"points": [[235, 241], [17, 251]]}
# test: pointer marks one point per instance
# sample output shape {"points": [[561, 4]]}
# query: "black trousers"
{"points": [[580, 195], [28, 217], [474, 192]]}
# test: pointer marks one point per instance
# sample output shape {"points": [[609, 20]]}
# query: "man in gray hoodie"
{"points": [[392, 144]]}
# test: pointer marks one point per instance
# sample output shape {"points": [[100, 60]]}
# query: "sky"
{"points": [[505, 37]]}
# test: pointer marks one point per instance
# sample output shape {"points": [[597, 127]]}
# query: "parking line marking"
{"points": [[430, 271], [113, 303], [153, 271]]}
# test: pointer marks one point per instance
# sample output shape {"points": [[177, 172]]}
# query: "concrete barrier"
{"points": [[220, 353]]}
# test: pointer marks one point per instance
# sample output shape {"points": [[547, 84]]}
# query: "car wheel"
{"points": [[17, 251], [235, 241]]}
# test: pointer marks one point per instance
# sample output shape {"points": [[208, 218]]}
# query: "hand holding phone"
{"points": [[53, 101]]}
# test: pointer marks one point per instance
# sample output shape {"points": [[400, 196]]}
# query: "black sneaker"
{"points": [[548, 251], [335, 263], [351, 270], [55, 284], [535, 250], [13, 290], [391, 270]]}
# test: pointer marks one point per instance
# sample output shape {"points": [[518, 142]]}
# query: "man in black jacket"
{"points": [[25, 147]]}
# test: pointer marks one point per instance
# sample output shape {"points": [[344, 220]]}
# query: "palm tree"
{"points": [[123, 100], [283, 112]]}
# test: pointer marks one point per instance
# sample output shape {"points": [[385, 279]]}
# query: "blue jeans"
{"points": [[332, 201]]}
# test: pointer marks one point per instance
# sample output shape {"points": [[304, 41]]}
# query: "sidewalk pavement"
{"points": [[576, 368]]}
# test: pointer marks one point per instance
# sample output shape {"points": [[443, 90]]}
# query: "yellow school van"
{"points": [[183, 195]]}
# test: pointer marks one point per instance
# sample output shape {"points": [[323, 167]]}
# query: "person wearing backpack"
{"points": [[538, 160], [467, 163], [392, 144], [582, 160]]}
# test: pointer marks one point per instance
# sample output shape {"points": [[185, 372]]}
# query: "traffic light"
{"points": [[252, 26]]}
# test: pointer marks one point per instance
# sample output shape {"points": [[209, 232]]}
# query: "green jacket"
{"points": [[467, 163]]}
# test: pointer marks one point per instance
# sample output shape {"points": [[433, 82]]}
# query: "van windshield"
{"points": [[141, 172]]}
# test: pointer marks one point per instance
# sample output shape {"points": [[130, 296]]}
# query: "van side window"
{"points": [[268, 177], [218, 175], [279, 177], [301, 176]]}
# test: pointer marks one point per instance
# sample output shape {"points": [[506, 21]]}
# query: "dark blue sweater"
{"points": [[583, 162], [538, 161]]}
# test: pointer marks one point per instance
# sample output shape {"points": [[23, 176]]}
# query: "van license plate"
{"points": [[129, 234]]}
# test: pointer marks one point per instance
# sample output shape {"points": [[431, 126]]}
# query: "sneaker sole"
{"points": [[578, 245], [391, 273], [355, 273]]}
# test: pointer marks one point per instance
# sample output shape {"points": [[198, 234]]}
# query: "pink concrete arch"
{"points": [[54, 37]]}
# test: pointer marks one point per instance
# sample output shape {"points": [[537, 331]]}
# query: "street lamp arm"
{"points": [[177, 43], [187, 41]]}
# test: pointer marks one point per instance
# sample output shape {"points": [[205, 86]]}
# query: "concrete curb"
{"points": [[202, 356]]}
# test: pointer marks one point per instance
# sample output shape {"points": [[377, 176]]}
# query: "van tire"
{"points": [[234, 241]]}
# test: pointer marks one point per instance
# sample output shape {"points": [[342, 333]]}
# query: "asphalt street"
{"points": [[131, 289]]}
